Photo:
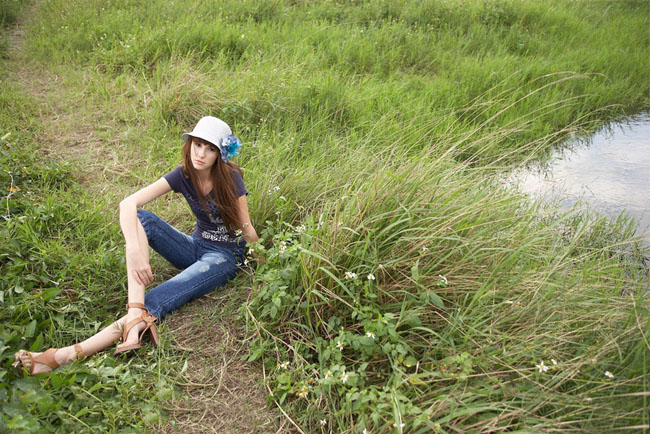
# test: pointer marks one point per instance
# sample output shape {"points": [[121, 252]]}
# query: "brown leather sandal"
{"points": [[45, 358], [150, 327]]}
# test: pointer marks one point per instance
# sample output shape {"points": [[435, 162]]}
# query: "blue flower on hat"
{"points": [[230, 146]]}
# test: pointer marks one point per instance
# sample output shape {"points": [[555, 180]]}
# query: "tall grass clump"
{"points": [[418, 296]]}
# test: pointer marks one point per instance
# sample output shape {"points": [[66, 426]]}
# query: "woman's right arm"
{"points": [[137, 262]]}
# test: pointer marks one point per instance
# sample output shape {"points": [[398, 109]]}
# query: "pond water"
{"points": [[609, 173]]}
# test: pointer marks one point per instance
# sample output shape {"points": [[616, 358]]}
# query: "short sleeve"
{"points": [[239, 183], [175, 179]]}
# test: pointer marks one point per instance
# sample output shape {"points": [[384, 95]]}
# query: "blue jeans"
{"points": [[205, 266]]}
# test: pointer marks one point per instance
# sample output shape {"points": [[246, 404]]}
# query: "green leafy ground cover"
{"points": [[404, 289]]}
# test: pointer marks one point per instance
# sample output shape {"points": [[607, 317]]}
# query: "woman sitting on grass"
{"points": [[210, 257]]}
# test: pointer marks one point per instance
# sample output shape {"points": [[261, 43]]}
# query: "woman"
{"points": [[214, 189]]}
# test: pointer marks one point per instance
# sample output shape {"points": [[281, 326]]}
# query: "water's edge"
{"points": [[608, 172]]}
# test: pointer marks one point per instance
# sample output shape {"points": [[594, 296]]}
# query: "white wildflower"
{"points": [[323, 422], [371, 276], [371, 335], [443, 279], [344, 377], [542, 367], [339, 345], [609, 374]]}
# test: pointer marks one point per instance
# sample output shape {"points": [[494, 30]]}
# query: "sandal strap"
{"points": [[146, 316], [45, 358], [149, 319], [79, 351], [129, 325], [133, 321], [151, 328]]}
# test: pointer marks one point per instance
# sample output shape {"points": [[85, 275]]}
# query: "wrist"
{"points": [[131, 248]]}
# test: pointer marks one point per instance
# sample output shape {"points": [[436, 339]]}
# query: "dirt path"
{"points": [[222, 393]]}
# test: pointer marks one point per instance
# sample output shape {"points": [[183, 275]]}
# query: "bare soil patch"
{"points": [[223, 392]]}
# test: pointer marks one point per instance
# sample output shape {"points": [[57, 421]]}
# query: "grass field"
{"points": [[405, 290]]}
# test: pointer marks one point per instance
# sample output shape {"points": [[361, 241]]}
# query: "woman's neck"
{"points": [[203, 176], [205, 182]]}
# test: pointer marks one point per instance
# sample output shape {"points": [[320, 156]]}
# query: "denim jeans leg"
{"points": [[179, 249], [215, 268]]}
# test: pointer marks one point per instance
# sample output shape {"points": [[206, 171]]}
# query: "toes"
{"points": [[22, 358]]}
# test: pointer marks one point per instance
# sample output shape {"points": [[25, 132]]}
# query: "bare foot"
{"points": [[44, 362]]}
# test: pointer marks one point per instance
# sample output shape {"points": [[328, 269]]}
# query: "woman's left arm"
{"points": [[248, 231]]}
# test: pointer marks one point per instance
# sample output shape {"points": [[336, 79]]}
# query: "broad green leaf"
{"points": [[410, 361], [30, 329]]}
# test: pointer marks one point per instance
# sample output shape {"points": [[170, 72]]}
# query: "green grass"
{"points": [[385, 127], [60, 267], [333, 66]]}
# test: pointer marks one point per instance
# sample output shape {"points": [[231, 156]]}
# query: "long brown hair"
{"points": [[223, 186]]}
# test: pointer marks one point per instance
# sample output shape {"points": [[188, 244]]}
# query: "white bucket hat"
{"points": [[210, 129], [217, 132]]}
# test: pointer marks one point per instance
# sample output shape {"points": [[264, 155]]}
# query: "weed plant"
{"points": [[404, 289]]}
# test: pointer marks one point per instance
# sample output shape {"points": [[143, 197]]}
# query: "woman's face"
{"points": [[203, 154]]}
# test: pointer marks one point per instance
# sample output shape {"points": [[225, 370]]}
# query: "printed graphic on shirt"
{"points": [[220, 233], [214, 236]]}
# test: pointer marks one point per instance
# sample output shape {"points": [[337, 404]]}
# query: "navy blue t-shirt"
{"points": [[208, 227]]}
